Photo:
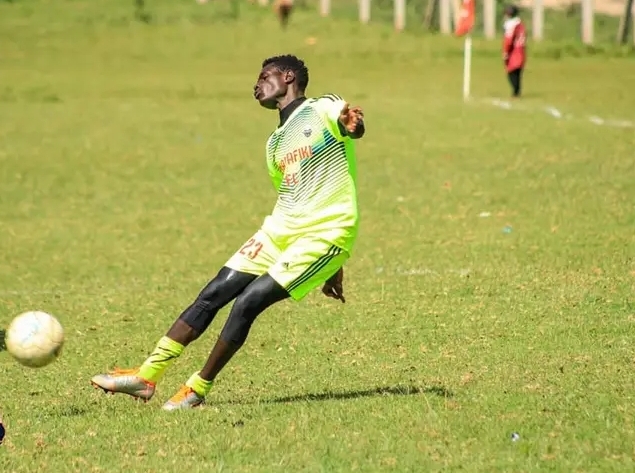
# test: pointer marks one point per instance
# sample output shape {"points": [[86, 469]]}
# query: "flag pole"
{"points": [[467, 66]]}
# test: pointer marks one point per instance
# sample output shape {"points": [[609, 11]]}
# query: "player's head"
{"points": [[511, 11], [280, 77]]}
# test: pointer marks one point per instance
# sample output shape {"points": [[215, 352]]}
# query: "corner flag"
{"points": [[464, 28]]}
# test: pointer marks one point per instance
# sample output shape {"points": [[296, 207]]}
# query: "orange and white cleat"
{"points": [[185, 398], [126, 382]]}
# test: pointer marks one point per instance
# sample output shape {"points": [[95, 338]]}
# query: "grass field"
{"points": [[131, 162]]}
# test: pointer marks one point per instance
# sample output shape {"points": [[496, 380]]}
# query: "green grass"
{"points": [[131, 162]]}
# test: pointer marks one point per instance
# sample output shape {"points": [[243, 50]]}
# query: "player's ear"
{"points": [[288, 77]]}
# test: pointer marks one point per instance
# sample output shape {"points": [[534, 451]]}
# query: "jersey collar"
{"points": [[286, 112], [511, 23]]}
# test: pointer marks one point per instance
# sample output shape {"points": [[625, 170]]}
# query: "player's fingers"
{"points": [[352, 124], [345, 109]]}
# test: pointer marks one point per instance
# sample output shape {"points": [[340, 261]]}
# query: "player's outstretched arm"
{"points": [[351, 122]]}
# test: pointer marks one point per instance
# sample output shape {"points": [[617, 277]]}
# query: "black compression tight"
{"points": [[253, 295], [257, 296]]}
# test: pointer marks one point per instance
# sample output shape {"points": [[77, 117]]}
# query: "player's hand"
{"points": [[351, 117], [334, 288]]}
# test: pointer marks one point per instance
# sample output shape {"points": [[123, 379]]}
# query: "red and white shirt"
{"points": [[514, 53]]}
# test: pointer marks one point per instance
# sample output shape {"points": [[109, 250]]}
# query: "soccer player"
{"points": [[303, 244], [514, 54]]}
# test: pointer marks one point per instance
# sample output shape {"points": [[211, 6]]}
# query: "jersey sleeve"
{"points": [[330, 106], [275, 173], [276, 176]]}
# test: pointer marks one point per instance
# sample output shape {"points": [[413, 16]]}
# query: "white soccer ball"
{"points": [[35, 339]]}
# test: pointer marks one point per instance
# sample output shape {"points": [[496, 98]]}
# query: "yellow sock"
{"points": [[200, 386], [166, 351]]}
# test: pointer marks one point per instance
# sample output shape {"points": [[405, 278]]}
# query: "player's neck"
{"points": [[286, 109]]}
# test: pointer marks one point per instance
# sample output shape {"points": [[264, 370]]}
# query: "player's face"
{"points": [[269, 87]]}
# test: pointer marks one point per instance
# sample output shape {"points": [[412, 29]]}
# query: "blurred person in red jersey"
{"points": [[514, 52]]}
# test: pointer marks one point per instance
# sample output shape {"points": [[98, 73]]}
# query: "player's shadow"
{"points": [[356, 394], [387, 391]]}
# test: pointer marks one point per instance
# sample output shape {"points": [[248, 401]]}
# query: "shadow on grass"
{"points": [[379, 391], [3, 345], [353, 394]]}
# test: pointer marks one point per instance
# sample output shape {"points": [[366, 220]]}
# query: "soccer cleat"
{"points": [[185, 398], [126, 382]]}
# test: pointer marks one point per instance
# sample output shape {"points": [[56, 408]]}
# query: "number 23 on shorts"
{"points": [[251, 248]]}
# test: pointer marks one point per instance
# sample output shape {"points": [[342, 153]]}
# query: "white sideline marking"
{"points": [[596, 120], [558, 114], [554, 112], [61, 292], [501, 104], [399, 271], [26, 292], [463, 272], [621, 123]]}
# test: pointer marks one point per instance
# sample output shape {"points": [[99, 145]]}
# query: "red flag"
{"points": [[466, 18]]}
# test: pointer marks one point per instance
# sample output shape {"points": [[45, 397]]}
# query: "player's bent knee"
{"points": [[259, 295], [215, 295], [240, 320]]}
